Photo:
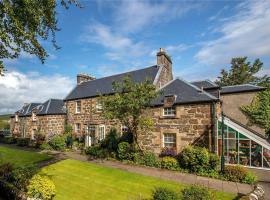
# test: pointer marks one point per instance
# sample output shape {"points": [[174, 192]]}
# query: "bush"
{"points": [[9, 191], [250, 178], [40, 139], [239, 174], [41, 187], [5, 170], [169, 163], [124, 151], [197, 192], [149, 159], [58, 143], [23, 142], [198, 159], [126, 137], [45, 146], [168, 152], [20, 176], [111, 141], [9, 140], [165, 194], [96, 152]]}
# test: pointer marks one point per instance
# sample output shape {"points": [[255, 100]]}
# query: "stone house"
{"points": [[48, 118]]}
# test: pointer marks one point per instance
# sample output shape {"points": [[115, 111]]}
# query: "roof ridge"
{"points": [[240, 85], [119, 74]]}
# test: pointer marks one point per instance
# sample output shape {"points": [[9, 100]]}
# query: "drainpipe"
{"points": [[222, 149], [214, 122]]}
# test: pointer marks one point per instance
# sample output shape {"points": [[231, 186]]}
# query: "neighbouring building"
{"points": [[185, 113], [47, 118]]}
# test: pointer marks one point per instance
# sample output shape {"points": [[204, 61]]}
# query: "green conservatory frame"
{"points": [[242, 147]]}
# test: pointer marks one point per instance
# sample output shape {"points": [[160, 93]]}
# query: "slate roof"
{"points": [[104, 85], [206, 84], [49, 107], [240, 88], [185, 93]]}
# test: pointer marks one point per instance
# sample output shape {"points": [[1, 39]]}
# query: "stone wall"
{"points": [[232, 103], [44, 123], [192, 124]]}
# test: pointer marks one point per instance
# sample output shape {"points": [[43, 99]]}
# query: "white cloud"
{"points": [[244, 34], [18, 88]]}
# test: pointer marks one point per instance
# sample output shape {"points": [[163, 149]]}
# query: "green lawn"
{"points": [[80, 180], [20, 157]]}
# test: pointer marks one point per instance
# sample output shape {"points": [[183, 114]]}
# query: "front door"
{"points": [[90, 136]]}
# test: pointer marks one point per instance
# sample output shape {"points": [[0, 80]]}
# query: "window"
{"points": [[99, 107], [16, 118], [77, 128], [101, 132], [78, 106], [124, 129], [170, 111], [34, 116], [33, 134], [170, 140]]}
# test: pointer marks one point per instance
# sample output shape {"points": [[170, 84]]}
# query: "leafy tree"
{"points": [[259, 110], [129, 105], [241, 72], [24, 23]]}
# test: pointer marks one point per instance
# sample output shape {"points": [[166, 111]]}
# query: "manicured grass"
{"points": [[81, 180], [20, 157]]}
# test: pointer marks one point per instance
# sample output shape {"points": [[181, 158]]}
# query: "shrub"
{"points": [[69, 141], [250, 178], [168, 152], [96, 152], [40, 139], [5, 170], [169, 163], [45, 146], [22, 142], [9, 140], [197, 192], [58, 143], [124, 151], [126, 137], [41, 187], [20, 176], [111, 141], [197, 159], [149, 159], [165, 194]]}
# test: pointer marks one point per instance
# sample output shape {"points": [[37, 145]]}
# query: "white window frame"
{"points": [[169, 142], [77, 128], [101, 132], [124, 129], [169, 112], [80, 107], [99, 107]]}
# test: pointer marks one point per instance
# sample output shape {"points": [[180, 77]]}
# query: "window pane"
{"points": [[244, 152], [231, 133], [170, 140], [256, 154], [266, 158], [232, 151]]}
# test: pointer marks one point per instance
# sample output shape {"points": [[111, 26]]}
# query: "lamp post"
{"points": [[222, 149]]}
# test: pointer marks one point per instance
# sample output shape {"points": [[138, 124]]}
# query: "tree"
{"points": [[24, 23], [241, 72], [129, 105], [258, 111]]}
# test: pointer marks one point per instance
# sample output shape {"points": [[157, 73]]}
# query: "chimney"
{"points": [[164, 61], [84, 78]]}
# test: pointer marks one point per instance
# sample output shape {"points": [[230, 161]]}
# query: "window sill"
{"points": [[168, 117]]}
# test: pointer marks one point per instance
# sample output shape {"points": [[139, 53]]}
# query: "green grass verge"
{"points": [[81, 180], [20, 157]]}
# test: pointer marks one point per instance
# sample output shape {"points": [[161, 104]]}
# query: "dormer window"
{"points": [[78, 106], [169, 112], [34, 116], [16, 118], [99, 107]]}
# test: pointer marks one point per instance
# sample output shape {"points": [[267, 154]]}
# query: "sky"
{"points": [[109, 37]]}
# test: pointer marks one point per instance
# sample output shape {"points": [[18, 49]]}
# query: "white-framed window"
{"points": [[101, 132], [77, 127], [33, 134], [169, 140], [78, 106], [99, 107], [34, 116], [16, 118], [124, 129], [169, 112]]}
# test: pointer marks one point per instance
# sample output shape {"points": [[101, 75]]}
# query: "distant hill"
{"points": [[4, 121]]}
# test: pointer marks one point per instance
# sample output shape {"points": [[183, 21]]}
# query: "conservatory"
{"points": [[242, 146]]}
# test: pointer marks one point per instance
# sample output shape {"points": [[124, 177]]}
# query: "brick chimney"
{"points": [[164, 61], [84, 78]]}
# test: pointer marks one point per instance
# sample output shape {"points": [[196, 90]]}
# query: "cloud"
{"points": [[18, 88], [244, 34], [131, 16]]}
